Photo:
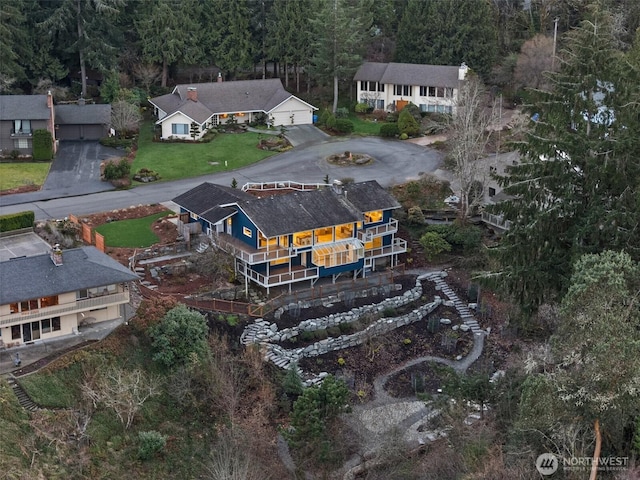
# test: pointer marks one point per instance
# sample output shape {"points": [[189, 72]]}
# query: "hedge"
{"points": [[42, 145], [389, 130], [344, 126], [16, 221]]}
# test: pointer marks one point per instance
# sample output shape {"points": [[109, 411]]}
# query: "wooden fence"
{"points": [[88, 234]]}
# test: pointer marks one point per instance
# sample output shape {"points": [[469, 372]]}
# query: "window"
{"points": [[46, 325], [55, 323], [440, 92], [402, 90], [247, 232], [21, 143], [372, 217], [49, 301], [423, 107], [424, 91], [13, 308], [373, 86], [22, 127], [448, 92], [380, 104], [364, 85], [80, 294], [179, 129], [492, 191], [15, 332], [432, 91]]}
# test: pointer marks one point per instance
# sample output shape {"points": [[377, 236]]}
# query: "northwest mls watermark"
{"points": [[548, 464]]}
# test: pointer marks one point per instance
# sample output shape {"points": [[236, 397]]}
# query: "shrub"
{"points": [[342, 362], [342, 112], [362, 107], [42, 145], [151, 442], [324, 117], [416, 216], [116, 142], [434, 244], [379, 115], [343, 125], [15, 221], [403, 136], [465, 237], [331, 121], [389, 312], [115, 170], [407, 124], [389, 130]]}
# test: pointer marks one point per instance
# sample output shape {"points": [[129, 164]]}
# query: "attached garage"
{"points": [[82, 122], [292, 111]]}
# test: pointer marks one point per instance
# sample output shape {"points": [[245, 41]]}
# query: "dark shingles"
{"points": [[409, 74], [23, 107], [369, 196], [34, 277], [207, 195], [83, 114]]}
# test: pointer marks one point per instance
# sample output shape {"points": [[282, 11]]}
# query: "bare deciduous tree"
{"points": [[125, 117], [230, 459], [469, 137], [123, 391], [535, 58], [147, 74]]}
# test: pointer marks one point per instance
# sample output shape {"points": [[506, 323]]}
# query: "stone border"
{"points": [[262, 332]]}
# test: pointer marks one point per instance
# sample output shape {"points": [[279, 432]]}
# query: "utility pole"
{"points": [[555, 37]]}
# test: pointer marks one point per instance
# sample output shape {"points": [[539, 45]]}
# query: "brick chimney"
{"points": [[56, 255], [51, 123], [219, 77], [192, 94]]}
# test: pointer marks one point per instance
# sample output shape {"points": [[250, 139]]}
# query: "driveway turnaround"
{"points": [[394, 162]]}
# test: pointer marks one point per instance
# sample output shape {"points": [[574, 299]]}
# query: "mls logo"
{"points": [[547, 464]]}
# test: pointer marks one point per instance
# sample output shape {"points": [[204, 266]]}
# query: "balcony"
{"points": [[398, 246], [75, 307], [21, 133], [496, 221], [279, 276], [249, 254], [367, 234]]}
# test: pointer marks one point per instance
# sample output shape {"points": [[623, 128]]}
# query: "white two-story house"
{"points": [[391, 86]]}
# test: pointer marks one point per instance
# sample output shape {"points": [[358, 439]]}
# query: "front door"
{"points": [[26, 332]]}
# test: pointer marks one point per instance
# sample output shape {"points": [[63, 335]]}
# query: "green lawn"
{"points": [[181, 160], [364, 126], [135, 233], [14, 175]]}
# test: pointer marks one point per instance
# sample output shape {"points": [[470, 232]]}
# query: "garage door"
{"points": [[79, 132], [294, 117]]}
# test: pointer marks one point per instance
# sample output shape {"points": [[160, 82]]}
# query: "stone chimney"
{"points": [[56, 255], [462, 71], [192, 94], [220, 79]]}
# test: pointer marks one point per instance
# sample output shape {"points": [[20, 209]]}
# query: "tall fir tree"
{"points": [[575, 188], [341, 29]]}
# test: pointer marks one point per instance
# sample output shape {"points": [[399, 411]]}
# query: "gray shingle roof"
{"points": [[34, 277], [83, 114], [408, 74], [207, 197], [224, 97], [292, 212], [23, 107]]}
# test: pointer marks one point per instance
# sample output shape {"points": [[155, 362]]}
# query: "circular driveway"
{"points": [[394, 162]]}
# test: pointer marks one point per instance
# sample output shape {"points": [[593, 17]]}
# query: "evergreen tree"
{"points": [[94, 38], [574, 190], [448, 32], [341, 29], [12, 35], [170, 33]]}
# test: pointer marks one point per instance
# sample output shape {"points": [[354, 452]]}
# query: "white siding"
{"points": [[178, 118], [292, 112]]}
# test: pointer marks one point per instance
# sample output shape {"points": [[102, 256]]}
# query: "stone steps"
{"points": [[24, 399]]}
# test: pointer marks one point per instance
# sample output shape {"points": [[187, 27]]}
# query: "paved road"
{"points": [[394, 162]]}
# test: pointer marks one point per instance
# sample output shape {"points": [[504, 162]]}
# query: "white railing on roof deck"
{"points": [[496, 220], [284, 185], [249, 255]]}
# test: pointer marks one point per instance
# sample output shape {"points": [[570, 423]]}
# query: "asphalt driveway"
{"points": [[76, 169], [304, 134]]}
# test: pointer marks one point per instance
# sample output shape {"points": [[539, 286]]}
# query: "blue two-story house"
{"points": [[296, 232]]}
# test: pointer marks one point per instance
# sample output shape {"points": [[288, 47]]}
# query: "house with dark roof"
{"points": [[207, 105], [49, 295], [390, 86], [82, 121], [313, 232], [20, 116]]}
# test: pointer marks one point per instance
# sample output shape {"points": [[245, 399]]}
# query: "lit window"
{"points": [[372, 217], [247, 232]]}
